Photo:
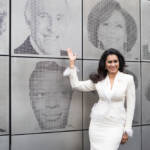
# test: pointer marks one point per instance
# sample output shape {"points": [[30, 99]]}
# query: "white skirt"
{"points": [[105, 133]]}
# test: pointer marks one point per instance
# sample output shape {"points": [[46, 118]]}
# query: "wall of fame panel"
{"points": [[4, 27], [133, 68], [145, 93], [111, 24], [89, 98], [145, 135], [4, 95], [4, 142], [54, 141], [145, 34], [43, 97], [46, 27]]}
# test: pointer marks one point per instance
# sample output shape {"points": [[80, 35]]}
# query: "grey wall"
{"points": [[38, 109]]}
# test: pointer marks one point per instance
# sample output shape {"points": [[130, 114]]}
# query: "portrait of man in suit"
{"points": [[50, 95], [47, 21]]}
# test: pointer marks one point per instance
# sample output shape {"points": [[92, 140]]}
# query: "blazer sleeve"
{"points": [[130, 99], [84, 86]]}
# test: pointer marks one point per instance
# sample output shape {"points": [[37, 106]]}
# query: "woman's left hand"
{"points": [[124, 138]]}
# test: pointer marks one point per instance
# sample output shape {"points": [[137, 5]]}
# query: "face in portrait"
{"points": [[50, 95], [47, 20], [111, 26]]}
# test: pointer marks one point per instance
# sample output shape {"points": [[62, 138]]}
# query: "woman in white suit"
{"points": [[111, 121]]}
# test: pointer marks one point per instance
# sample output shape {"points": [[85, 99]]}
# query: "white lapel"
{"points": [[108, 91], [106, 88]]}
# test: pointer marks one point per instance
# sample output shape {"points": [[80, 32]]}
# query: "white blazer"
{"points": [[123, 90]]}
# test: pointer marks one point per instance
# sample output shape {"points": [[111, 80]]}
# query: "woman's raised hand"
{"points": [[72, 57]]}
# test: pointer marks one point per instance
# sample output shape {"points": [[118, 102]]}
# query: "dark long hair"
{"points": [[101, 71]]}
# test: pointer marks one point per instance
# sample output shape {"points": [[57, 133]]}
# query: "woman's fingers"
{"points": [[125, 135], [71, 55], [125, 138], [69, 51], [124, 141]]}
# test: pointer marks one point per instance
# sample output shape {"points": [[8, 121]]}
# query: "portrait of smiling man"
{"points": [[50, 95], [43, 97], [48, 22]]}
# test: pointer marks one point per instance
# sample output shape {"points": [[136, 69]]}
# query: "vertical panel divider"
{"points": [[10, 141], [82, 70], [140, 69]]}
